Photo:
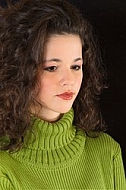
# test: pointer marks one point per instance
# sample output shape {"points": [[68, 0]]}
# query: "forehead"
{"points": [[61, 37], [63, 45]]}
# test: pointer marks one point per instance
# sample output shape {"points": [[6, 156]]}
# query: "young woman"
{"points": [[51, 131]]}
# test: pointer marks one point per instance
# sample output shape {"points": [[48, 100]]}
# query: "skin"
{"points": [[61, 72]]}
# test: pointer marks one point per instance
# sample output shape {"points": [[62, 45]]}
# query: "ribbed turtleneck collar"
{"points": [[49, 136], [51, 144]]}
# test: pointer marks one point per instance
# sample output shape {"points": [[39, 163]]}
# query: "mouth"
{"points": [[66, 95]]}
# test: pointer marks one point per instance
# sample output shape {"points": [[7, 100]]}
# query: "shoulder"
{"points": [[5, 159], [104, 143], [102, 138]]}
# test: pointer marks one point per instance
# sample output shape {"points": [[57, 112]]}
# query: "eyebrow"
{"points": [[58, 60], [78, 59], [53, 59]]}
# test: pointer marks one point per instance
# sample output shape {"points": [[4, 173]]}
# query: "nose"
{"points": [[67, 79]]}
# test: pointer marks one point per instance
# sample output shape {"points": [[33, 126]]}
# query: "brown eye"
{"points": [[51, 68], [76, 67]]}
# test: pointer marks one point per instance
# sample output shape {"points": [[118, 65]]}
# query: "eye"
{"points": [[51, 68], [76, 67]]}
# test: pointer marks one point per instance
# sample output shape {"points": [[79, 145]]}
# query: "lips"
{"points": [[66, 95]]}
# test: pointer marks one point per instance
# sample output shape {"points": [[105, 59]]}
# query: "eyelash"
{"points": [[54, 68], [51, 68], [76, 67]]}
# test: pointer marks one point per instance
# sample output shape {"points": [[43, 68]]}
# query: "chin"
{"points": [[65, 110]]}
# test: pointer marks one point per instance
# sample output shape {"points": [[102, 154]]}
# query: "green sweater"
{"points": [[57, 156]]}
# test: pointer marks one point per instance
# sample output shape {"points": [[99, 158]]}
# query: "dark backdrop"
{"points": [[108, 18]]}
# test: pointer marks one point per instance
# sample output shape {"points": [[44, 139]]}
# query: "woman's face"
{"points": [[61, 76]]}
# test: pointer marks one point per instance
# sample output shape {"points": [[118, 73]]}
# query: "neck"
{"points": [[46, 114]]}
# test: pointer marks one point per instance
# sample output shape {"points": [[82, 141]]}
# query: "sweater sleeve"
{"points": [[119, 174], [5, 183]]}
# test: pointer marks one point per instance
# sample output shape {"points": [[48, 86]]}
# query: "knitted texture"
{"points": [[58, 156]]}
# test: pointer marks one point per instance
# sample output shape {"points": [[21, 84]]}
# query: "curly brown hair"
{"points": [[24, 30]]}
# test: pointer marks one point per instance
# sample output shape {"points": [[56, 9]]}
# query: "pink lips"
{"points": [[66, 95]]}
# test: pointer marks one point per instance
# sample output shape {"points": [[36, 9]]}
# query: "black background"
{"points": [[108, 18]]}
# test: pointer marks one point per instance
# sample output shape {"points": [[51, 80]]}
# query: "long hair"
{"points": [[24, 30]]}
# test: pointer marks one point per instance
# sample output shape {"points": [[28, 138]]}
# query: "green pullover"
{"points": [[59, 156]]}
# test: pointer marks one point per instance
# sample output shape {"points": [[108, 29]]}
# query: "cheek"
{"points": [[45, 86], [79, 79]]}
